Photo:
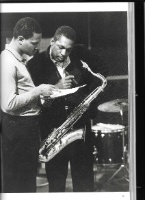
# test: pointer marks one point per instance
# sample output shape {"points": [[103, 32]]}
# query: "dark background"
{"points": [[140, 97], [105, 33]]}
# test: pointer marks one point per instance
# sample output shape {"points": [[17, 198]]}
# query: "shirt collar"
{"points": [[20, 58]]}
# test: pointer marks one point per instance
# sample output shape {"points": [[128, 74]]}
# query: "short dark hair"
{"points": [[26, 27], [66, 31]]}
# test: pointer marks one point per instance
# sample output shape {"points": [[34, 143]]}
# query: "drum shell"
{"points": [[108, 146]]}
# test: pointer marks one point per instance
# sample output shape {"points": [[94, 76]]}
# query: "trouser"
{"points": [[81, 162], [20, 146]]}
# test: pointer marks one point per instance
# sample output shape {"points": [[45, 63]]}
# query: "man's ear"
{"points": [[20, 39], [52, 41]]}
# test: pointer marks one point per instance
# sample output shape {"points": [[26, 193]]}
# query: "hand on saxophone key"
{"points": [[42, 158]]}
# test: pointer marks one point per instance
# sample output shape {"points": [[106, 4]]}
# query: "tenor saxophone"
{"points": [[62, 136]]}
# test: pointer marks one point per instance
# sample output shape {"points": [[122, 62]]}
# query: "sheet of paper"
{"points": [[62, 92]]}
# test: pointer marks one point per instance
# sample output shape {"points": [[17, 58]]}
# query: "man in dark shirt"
{"points": [[64, 64]]}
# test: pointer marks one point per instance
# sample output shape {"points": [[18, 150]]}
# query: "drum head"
{"points": [[107, 128]]}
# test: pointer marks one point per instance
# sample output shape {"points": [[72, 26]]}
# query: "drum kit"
{"points": [[110, 147]]}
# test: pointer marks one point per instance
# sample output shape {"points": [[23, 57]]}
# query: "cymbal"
{"points": [[114, 106]]}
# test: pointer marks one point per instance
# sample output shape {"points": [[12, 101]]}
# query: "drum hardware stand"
{"points": [[123, 166], [95, 152]]}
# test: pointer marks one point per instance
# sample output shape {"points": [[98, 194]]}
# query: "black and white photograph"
{"points": [[68, 101]]}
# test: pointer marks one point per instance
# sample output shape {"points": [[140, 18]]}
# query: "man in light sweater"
{"points": [[20, 101]]}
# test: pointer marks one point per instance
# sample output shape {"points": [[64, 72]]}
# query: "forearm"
{"points": [[12, 102]]}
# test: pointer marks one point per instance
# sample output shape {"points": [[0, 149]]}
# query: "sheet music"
{"points": [[62, 92]]}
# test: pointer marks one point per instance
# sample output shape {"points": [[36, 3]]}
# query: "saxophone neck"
{"points": [[98, 75], [103, 79]]}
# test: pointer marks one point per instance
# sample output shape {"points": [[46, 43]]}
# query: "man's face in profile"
{"points": [[30, 46]]}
